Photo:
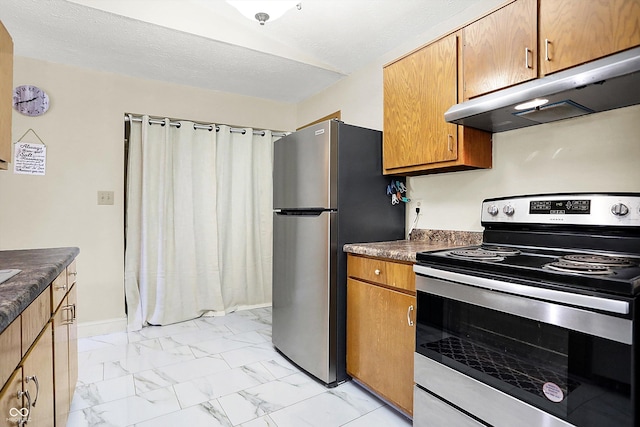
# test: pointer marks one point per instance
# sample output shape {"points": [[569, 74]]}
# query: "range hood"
{"points": [[605, 84]]}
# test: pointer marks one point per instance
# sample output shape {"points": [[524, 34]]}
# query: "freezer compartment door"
{"points": [[302, 280], [304, 165]]}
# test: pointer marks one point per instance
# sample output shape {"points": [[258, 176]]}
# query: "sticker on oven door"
{"points": [[553, 392]]}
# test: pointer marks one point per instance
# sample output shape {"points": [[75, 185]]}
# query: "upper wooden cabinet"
{"points": [[6, 90], [500, 50], [573, 32], [418, 89]]}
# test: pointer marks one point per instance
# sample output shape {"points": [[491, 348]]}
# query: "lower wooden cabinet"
{"points": [[65, 353], [37, 380], [10, 353], [381, 332], [11, 406], [39, 358], [28, 395]]}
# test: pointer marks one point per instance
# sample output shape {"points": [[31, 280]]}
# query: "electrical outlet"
{"points": [[105, 197]]}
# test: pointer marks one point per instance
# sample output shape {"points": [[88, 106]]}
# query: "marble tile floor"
{"points": [[212, 371]]}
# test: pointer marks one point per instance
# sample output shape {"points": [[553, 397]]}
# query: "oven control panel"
{"points": [[560, 207], [571, 209]]}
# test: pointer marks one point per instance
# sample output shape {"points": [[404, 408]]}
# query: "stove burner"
{"points": [[601, 260], [579, 268], [476, 254], [501, 250]]}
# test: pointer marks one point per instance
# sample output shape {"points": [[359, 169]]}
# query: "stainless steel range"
{"points": [[538, 326]]}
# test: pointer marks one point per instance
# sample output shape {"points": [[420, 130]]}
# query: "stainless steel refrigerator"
{"points": [[328, 190]]}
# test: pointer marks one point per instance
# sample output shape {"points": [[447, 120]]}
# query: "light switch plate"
{"points": [[105, 197]]}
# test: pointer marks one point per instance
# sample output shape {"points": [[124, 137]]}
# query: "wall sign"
{"points": [[30, 158]]}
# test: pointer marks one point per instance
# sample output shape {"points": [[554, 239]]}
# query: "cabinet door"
{"points": [[500, 50], [73, 341], [573, 32], [12, 410], [61, 363], [380, 341], [10, 354], [37, 375], [6, 91], [34, 318], [418, 89]]}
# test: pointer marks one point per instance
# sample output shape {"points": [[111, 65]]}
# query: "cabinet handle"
{"points": [[69, 318], [409, 310], [526, 57], [34, 378], [63, 287], [449, 142], [546, 50], [25, 418], [73, 311], [73, 273], [376, 272]]}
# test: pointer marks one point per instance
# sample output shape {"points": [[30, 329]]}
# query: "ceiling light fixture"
{"points": [[264, 10]]}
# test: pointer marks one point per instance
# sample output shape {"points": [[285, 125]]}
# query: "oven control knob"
{"points": [[493, 210], [508, 210], [619, 209]]}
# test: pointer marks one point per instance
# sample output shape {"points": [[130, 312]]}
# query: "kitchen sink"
{"points": [[8, 274]]}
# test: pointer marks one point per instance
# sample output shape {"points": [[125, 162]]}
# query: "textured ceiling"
{"points": [[208, 44]]}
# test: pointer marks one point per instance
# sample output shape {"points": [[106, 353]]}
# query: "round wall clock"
{"points": [[30, 100]]}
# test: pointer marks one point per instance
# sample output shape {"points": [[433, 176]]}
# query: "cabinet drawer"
{"points": [[34, 318], [59, 289], [395, 274], [71, 274]]}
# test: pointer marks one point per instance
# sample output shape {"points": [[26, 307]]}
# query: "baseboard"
{"points": [[235, 308], [102, 327]]}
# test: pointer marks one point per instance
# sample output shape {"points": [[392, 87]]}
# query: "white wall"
{"points": [[84, 134], [599, 152]]}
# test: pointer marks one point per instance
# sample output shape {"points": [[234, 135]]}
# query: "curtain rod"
{"points": [[159, 121]]}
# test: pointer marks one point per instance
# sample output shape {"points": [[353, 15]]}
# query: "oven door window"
{"points": [[579, 378]]}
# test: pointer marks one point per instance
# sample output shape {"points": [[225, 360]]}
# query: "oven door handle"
{"points": [[578, 300]]}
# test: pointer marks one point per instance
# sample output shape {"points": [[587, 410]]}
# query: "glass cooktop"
{"points": [[609, 273]]}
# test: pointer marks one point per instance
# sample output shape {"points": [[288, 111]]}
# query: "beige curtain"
{"points": [[198, 237], [245, 209]]}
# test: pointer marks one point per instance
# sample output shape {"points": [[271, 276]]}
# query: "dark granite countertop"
{"points": [[421, 241], [39, 268]]}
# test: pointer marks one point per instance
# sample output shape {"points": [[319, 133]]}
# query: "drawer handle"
{"points": [[34, 378], [376, 272], [409, 310]]}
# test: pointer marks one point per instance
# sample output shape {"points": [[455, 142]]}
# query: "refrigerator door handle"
{"points": [[302, 212]]}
